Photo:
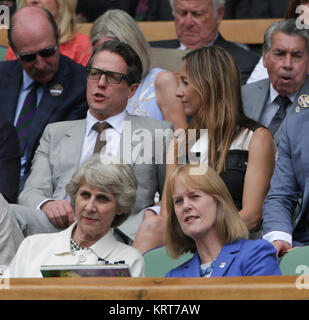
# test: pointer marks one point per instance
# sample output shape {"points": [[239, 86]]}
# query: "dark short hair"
{"points": [[50, 19], [134, 63]]}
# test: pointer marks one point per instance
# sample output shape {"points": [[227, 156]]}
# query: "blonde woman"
{"points": [[156, 94], [73, 44], [203, 219]]}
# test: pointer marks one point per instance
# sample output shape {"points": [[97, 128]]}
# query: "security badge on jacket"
{"points": [[56, 90], [303, 102]]}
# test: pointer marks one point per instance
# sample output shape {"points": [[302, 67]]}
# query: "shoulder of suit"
{"points": [[64, 125], [263, 83], [147, 122], [9, 65]]}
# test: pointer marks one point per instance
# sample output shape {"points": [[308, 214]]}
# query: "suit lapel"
{"points": [[225, 258], [48, 104], [129, 140], [191, 268], [259, 99], [71, 149], [12, 84], [296, 106]]}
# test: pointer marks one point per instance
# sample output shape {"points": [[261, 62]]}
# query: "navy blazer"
{"points": [[240, 258], [71, 104], [9, 161], [245, 59]]}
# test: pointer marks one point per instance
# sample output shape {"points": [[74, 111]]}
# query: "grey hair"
{"points": [[117, 179], [119, 25], [286, 26], [216, 5]]}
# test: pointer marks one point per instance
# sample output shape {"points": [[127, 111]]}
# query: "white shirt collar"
{"points": [[183, 47], [117, 121], [102, 248]]}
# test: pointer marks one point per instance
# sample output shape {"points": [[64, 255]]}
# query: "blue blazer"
{"points": [[240, 258], [290, 182], [70, 105]]}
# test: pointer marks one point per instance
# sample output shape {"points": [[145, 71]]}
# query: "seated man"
{"points": [[41, 86], [289, 183], [9, 161], [114, 72], [286, 57], [197, 24]]}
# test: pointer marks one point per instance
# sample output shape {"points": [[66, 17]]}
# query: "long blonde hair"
{"points": [[213, 73], [65, 19]]}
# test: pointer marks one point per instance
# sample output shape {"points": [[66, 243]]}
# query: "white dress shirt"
{"points": [[112, 134]]}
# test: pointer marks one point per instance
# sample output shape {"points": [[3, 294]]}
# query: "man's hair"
{"points": [[287, 27], [134, 64], [216, 4], [50, 19]]}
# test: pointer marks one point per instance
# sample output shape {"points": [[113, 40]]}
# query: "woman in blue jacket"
{"points": [[202, 218]]}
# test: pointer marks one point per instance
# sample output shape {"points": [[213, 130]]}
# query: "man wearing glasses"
{"points": [[41, 86], [113, 74]]}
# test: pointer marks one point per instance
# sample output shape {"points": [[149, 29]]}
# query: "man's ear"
{"points": [[220, 14], [133, 87], [264, 59]]}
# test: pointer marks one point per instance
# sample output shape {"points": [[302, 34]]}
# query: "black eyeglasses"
{"points": [[44, 53], [112, 77]]}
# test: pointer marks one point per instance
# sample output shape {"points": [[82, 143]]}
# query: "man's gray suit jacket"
{"points": [[255, 96], [59, 153]]}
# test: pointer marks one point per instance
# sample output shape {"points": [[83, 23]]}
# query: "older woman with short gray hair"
{"points": [[102, 197]]}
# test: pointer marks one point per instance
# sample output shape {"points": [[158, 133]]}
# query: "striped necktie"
{"points": [[26, 116]]}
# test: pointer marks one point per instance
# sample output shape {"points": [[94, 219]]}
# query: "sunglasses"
{"points": [[45, 53], [112, 77]]}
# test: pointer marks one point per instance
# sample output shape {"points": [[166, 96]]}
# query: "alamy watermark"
{"points": [[302, 21], [144, 146], [4, 277], [302, 282], [4, 17]]}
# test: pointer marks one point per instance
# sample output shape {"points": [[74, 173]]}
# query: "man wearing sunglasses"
{"points": [[113, 74], [53, 83]]}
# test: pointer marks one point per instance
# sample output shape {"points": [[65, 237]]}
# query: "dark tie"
{"points": [[101, 139], [280, 114], [26, 116]]}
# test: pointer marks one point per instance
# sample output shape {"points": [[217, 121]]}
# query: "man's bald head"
{"points": [[31, 19], [34, 38]]}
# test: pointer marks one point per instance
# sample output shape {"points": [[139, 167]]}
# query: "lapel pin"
{"points": [[303, 102], [222, 265], [56, 90]]}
